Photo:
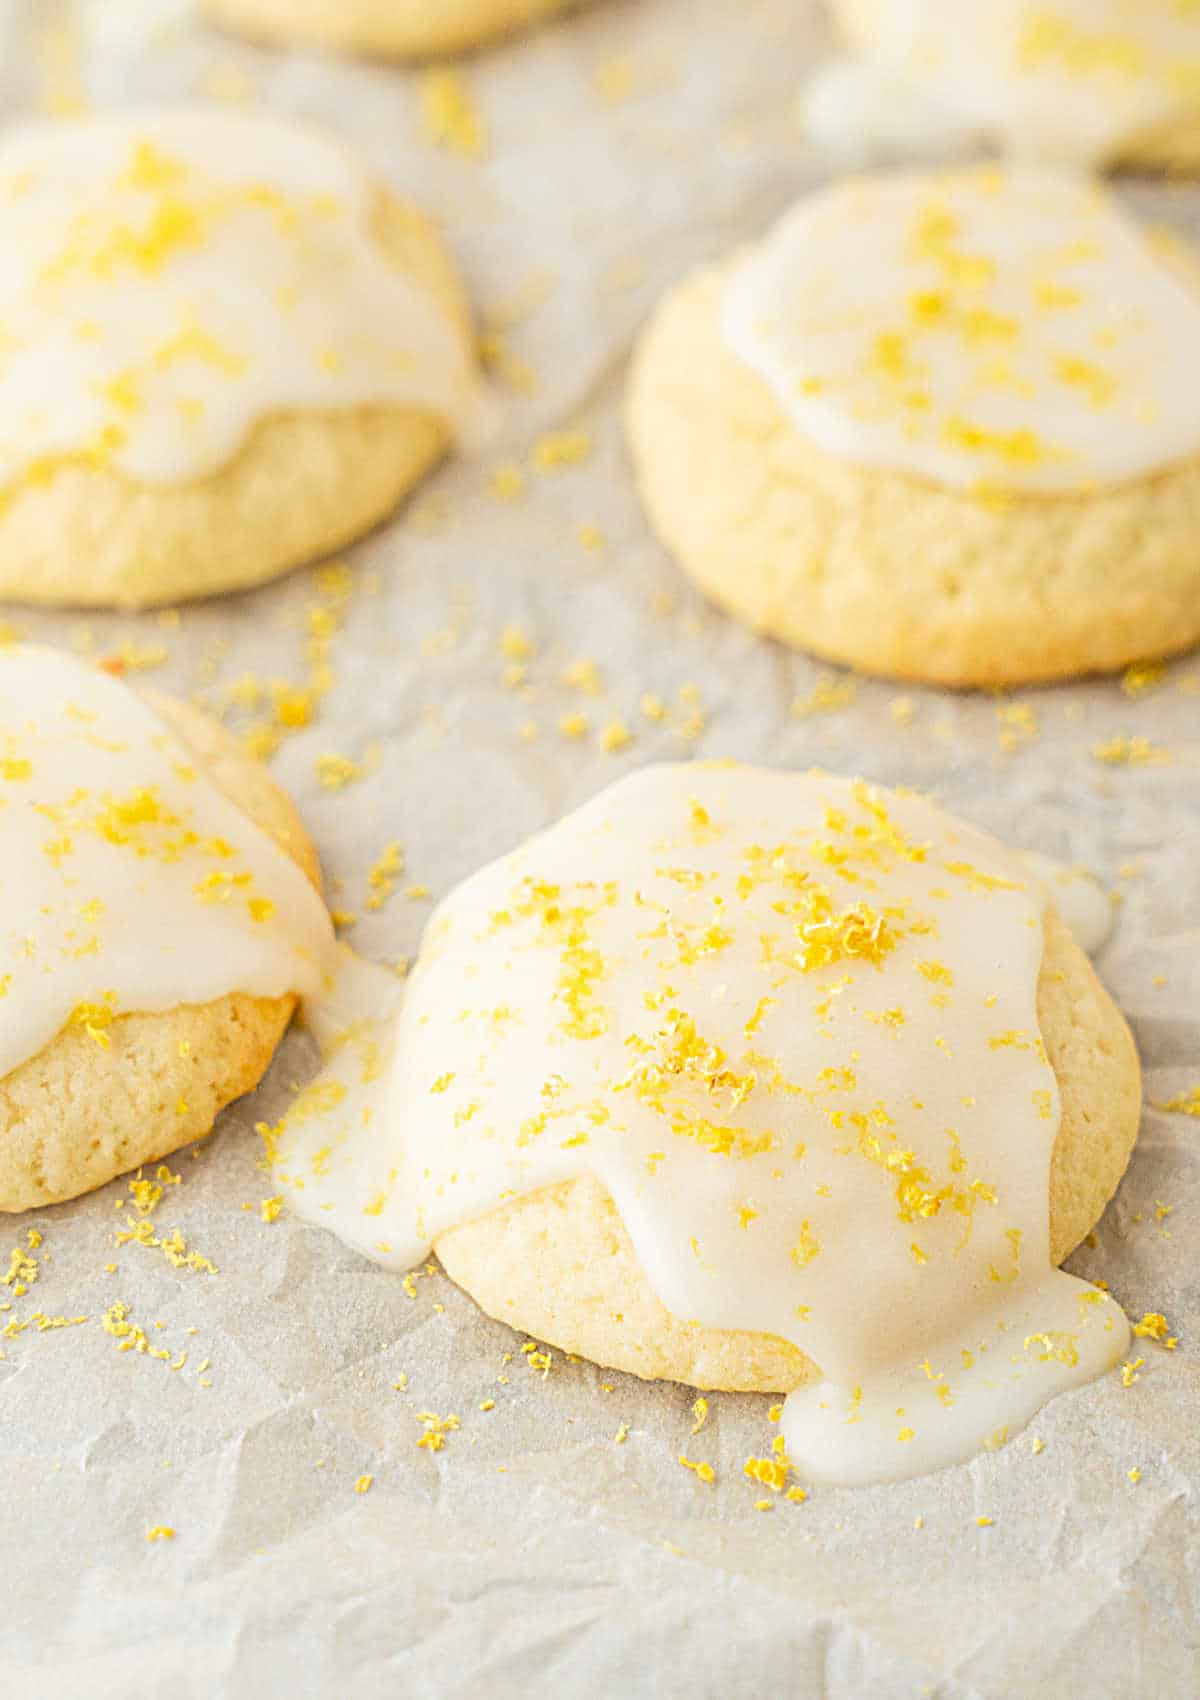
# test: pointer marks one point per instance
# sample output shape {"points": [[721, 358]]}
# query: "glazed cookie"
{"points": [[164, 913], [385, 29], [227, 351], [756, 1081], [1087, 82], [939, 426]]}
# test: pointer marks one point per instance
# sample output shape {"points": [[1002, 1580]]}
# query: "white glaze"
{"points": [[1067, 82], [132, 884], [985, 329], [169, 278], [861, 113], [593, 1003]]}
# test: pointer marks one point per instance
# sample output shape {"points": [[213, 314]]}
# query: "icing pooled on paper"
{"points": [[1066, 82], [790, 1023], [168, 279], [132, 883], [986, 329], [1078, 896]]}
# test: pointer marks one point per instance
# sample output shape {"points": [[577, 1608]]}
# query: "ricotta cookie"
{"points": [[940, 426], [384, 29], [160, 914], [751, 1080], [223, 350], [1079, 82]]}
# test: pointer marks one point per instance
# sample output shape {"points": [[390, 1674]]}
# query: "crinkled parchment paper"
{"points": [[532, 1552]]}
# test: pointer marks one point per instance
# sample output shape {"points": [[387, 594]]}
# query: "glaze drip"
{"points": [[133, 884]]}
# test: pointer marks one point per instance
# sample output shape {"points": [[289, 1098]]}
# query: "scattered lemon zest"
{"points": [[449, 116]]}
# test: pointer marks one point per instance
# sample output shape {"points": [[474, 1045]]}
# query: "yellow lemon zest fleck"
{"points": [[436, 1429], [557, 450], [384, 874], [1185, 1104], [450, 118], [806, 1248], [1134, 751], [1154, 1326]]}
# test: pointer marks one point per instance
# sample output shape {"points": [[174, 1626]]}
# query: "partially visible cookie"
{"points": [[116, 1087], [909, 433], [384, 29], [238, 353], [1088, 82]]}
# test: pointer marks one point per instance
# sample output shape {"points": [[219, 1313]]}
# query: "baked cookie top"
{"points": [[132, 883], [399, 29], [170, 278], [790, 1024], [983, 329], [1070, 81]]}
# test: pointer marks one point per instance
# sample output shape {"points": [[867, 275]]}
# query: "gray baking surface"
{"points": [[533, 1553]]}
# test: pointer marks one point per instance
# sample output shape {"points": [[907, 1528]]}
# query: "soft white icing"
{"points": [[791, 1025], [132, 883], [1064, 82], [168, 279], [861, 113], [986, 329]]}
